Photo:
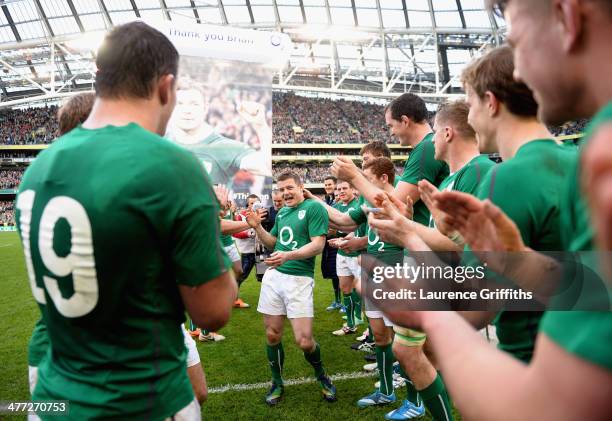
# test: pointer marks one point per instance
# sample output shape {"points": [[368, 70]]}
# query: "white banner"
{"points": [[228, 43]]}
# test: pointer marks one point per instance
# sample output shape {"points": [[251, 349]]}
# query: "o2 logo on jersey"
{"points": [[376, 239], [288, 240], [79, 262]]}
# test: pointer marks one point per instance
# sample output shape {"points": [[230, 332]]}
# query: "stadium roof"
{"points": [[373, 47]]}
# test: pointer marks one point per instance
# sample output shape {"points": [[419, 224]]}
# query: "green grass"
{"points": [[238, 360]]}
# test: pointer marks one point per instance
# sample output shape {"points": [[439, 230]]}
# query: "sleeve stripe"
{"points": [[492, 186]]}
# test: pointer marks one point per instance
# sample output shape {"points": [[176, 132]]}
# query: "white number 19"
{"points": [[79, 262]]}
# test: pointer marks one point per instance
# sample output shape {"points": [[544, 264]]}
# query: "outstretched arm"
{"points": [[337, 219], [233, 227], [529, 392]]}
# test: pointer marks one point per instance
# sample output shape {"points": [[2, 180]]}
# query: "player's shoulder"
{"points": [[311, 207], [312, 204], [477, 168], [283, 211], [420, 150], [536, 158]]}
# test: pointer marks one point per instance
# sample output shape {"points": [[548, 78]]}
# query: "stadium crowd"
{"points": [[316, 120], [10, 179], [28, 126], [570, 128], [7, 212], [299, 119]]}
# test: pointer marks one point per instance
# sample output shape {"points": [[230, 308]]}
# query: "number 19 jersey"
{"points": [[111, 221]]}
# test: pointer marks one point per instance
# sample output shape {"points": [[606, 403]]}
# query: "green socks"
{"points": [[384, 361], [276, 358], [350, 310], [412, 395], [192, 325], [314, 359], [437, 401], [356, 304]]}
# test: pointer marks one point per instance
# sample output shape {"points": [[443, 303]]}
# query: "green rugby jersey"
{"points": [[111, 221], [585, 334], [220, 156], [39, 344], [535, 207], [293, 229], [421, 165], [467, 178], [385, 252], [226, 239], [346, 208]]}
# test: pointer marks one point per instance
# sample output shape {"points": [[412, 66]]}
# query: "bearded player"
{"points": [[287, 287]]}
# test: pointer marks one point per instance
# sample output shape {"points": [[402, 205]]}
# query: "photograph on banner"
{"points": [[223, 115]]}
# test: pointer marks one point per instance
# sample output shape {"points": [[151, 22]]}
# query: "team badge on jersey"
{"points": [[301, 214]]}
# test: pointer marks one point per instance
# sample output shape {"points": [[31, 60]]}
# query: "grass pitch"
{"points": [[236, 369]]}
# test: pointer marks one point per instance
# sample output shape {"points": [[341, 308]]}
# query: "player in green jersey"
{"points": [[381, 173], [527, 149], [455, 144], [347, 264], [555, 45], [406, 118], [222, 157], [522, 142], [74, 112], [113, 262], [227, 242], [359, 242], [286, 292]]}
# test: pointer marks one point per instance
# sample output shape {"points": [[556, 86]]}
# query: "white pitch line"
{"points": [[4, 245], [291, 382]]}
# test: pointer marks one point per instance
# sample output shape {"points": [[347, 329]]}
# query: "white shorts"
{"points": [[232, 252], [193, 357], [375, 314], [32, 378], [348, 266], [191, 412], [286, 295]]}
